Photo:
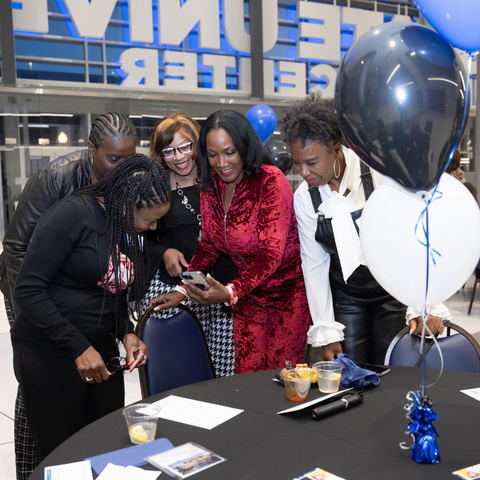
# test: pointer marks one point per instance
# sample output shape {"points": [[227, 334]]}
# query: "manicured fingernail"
{"points": [[128, 363]]}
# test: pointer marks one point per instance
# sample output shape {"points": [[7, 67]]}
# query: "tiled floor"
{"points": [[458, 305]]}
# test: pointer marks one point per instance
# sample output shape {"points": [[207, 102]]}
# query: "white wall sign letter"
{"points": [[90, 17], [184, 65], [362, 20], [129, 63], [141, 20], [327, 72], [175, 22], [33, 16], [234, 29], [295, 74], [219, 64], [329, 31]]}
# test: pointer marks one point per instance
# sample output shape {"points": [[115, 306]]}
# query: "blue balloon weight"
{"points": [[400, 94], [456, 21], [263, 120]]}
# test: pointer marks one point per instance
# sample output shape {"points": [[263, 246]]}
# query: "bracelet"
{"points": [[230, 291], [180, 289], [233, 297]]}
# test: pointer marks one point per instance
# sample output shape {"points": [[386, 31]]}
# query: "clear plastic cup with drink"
{"points": [[141, 421], [329, 375]]}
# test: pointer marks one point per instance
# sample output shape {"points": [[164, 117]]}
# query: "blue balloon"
{"points": [[263, 120], [456, 21], [400, 95]]}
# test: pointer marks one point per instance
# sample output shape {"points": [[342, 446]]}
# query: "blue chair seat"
{"points": [[460, 351], [178, 353]]}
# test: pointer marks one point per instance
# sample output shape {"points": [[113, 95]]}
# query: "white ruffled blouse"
{"points": [[316, 262]]}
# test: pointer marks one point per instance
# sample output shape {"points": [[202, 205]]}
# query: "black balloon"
{"points": [[280, 155], [400, 94]]}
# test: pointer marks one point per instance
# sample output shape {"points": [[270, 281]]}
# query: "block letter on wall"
{"points": [[328, 31], [139, 63], [362, 20], [187, 69], [91, 17], [327, 72], [32, 17], [297, 77], [234, 29], [219, 64], [141, 20], [175, 22]]}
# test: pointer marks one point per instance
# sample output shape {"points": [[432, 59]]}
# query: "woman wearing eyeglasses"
{"points": [[174, 144], [247, 208]]}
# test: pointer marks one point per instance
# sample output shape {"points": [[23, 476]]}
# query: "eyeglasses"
{"points": [[183, 149], [117, 364]]}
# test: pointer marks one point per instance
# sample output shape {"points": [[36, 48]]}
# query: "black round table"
{"points": [[357, 444]]}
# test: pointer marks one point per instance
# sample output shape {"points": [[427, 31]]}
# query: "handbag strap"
{"points": [[315, 197], [367, 180]]}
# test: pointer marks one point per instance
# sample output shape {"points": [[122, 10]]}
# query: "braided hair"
{"points": [[313, 120], [137, 182], [111, 125]]}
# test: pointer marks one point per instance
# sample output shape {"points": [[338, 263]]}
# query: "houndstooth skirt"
{"points": [[217, 325]]}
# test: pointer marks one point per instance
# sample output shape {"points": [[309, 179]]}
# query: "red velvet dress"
{"points": [[271, 318]]}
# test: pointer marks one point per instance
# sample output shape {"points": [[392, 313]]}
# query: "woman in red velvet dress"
{"points": [[247, 212]]}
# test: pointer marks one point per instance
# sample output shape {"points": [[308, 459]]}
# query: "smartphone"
{"points": [[380, 370], [196, 278]]}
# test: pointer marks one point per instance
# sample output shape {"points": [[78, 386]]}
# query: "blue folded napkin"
{"points": [[354, 376], [131, 455]]}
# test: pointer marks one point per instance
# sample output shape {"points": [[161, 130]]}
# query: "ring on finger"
{"points": [[88, 379], [144, 356]]}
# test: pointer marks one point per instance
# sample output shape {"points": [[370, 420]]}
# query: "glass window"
{"points": [[94, 53], [51, 71], [42, 48], [95, 74]]}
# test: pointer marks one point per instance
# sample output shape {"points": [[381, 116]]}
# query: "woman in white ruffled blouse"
{"points": [[350, 310]]}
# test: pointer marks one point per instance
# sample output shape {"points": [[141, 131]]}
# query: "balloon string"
{"points": [[423, 222], [425, 315]]}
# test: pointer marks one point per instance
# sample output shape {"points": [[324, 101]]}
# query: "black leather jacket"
{"points": [[42, 190]]}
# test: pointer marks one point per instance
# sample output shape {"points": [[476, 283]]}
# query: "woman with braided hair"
{"points": [[85, 253], [112, 138], [174, 144]]}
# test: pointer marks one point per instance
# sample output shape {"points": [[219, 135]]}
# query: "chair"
{"points": [[460, 351], [178, 353], [475, 282]]}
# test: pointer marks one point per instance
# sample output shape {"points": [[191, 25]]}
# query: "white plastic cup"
{"points": [[141, 421], [328, 376]]}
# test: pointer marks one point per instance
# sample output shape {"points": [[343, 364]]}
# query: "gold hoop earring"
{"points": [[339, 168]]}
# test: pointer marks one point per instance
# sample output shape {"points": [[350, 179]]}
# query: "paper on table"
{"points": [[472, 392], [116, 472], [134, 455], [196, 413], [72, 471], [303, 405]]}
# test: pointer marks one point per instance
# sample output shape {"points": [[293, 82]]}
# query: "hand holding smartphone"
{"points": [[196, 278]]}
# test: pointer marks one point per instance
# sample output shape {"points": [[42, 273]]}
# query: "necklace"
{"points": [[189, 207]]}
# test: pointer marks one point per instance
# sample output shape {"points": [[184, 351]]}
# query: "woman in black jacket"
{"points": [[86, 253], [112, 138]]}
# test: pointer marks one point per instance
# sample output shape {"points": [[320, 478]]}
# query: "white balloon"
{"points": [[396, 257]]}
